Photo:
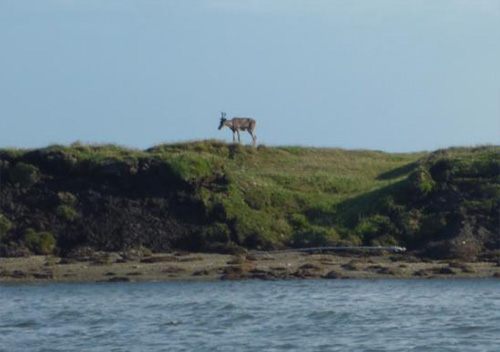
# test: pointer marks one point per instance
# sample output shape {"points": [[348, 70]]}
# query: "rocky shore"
{"points": [[123, 267]]}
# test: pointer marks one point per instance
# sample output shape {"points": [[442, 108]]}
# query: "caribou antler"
{"points": [[223, 114]]}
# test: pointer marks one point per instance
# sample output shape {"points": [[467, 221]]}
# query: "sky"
{"points": [[389, 75]]}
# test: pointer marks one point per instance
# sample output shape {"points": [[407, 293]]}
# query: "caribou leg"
{"points": [[239, 139], [254, 137], [234, 136]]}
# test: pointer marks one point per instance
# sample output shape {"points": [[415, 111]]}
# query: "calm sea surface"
{"points": [[337, 315]]}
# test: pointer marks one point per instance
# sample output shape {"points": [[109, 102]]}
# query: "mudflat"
{"points": [[114, 267]]}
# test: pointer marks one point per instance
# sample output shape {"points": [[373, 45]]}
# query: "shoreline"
{"points": [[112, 267]]}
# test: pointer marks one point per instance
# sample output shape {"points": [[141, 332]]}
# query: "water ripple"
{"points": [[358, 315]]}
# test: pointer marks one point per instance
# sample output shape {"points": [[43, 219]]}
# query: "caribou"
{"points": [[237, 124]]}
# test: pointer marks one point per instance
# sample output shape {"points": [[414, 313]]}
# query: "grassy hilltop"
{"points": [[213, 196]]}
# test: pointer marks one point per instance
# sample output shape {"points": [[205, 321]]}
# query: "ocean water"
{"points": [[317, 315]]}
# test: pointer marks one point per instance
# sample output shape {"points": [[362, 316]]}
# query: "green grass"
{"points": [[272, 186]]}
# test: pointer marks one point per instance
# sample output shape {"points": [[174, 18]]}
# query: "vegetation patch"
{"points": [[39, 242], [66, 212], [5, 227], [23, 174]]}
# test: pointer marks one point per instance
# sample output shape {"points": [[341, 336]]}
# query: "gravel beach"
{"points": [[113, 267]]}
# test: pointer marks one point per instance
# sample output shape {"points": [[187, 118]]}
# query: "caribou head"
{"points": [[222, 119]]}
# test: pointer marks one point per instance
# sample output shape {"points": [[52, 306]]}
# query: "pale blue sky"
{"points": [[388, 75]]}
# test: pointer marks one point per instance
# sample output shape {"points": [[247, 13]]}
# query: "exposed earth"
{"points": [[118, 267]]}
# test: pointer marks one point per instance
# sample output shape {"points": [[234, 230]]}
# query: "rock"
{"points": [[326, 261], [45, 276], [181, 254], [160, 259], [414, 259], [201, 273], [387, 271], [462, 266], [332, 275], [190, 259], [17, 274], [101, 259], [421, 272], [267, 257], [14, 250], [431, 272], [304, 274], [134, 273], [239, 259], [119, 279], [64, 261], [233, 273], [260, 274], [257, 271], [233, 269], [444, 271], [131, 254], [351, 266], [309, 266], [81, 254], [379, 269], [263, 276], [397, 258], [172, 270], [374, 268]]}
